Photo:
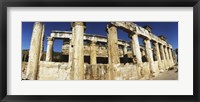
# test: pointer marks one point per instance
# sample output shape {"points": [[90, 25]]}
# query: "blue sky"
{"points": [[168, 29]]}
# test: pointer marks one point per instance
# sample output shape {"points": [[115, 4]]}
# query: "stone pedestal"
{"points": [[49, 53], [35, 51]]}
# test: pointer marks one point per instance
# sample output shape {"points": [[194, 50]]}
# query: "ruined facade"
{"points": [[108, 57]]}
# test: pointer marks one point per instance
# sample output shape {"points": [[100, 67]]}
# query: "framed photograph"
{"points": [[122, 50]]}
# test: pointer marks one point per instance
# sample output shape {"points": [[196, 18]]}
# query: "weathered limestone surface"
{"points": [[136, 53], [42, 43], [149, 56], [53, 71], [93, 59], [171, 58], [125, 53], [96, 72], [59, 71], [157, 51], [49, 53], [77, 55], [163, 56], [35, 51], [113, 54], [167, 57]]}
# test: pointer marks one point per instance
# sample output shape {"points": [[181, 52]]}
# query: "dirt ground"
{"points": [[171, 74]]}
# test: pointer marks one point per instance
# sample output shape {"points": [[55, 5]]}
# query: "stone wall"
{"points": [[61, 71]]}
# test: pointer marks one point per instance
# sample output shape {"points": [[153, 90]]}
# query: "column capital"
{"points": [[93, 43], [78, 23], [73, 24], [130, 35], [145, 40], [109, 26], [125, 44], [50, 39]]}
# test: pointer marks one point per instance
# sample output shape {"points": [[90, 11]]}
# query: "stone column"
{"points": [[166, 51], [163, 55], [162, 52], [171, 57], [42, 45], [35, 51], [70, 52], [149, 54], [125, 55], [113, 50], [157, 52], [135, 46], [78, 52], [167, 57], [93, 58], [49, 52]]}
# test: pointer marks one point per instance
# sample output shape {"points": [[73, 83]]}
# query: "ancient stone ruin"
{"points": [[96, 57]]}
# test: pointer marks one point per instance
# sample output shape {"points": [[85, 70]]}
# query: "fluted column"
{"points": [[78, 52], [35, 51], [93, 57], [113, 50], [49, 53]]}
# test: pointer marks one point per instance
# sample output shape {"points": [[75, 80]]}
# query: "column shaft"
{"points": [[93, 58], [158, 54], [157, 51], [113, 51], [163, 55], [167, 57], [171, 57], [136, 47], [49, 53], [149, 54], [125, 55], [35, 51], [78, 52]]}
